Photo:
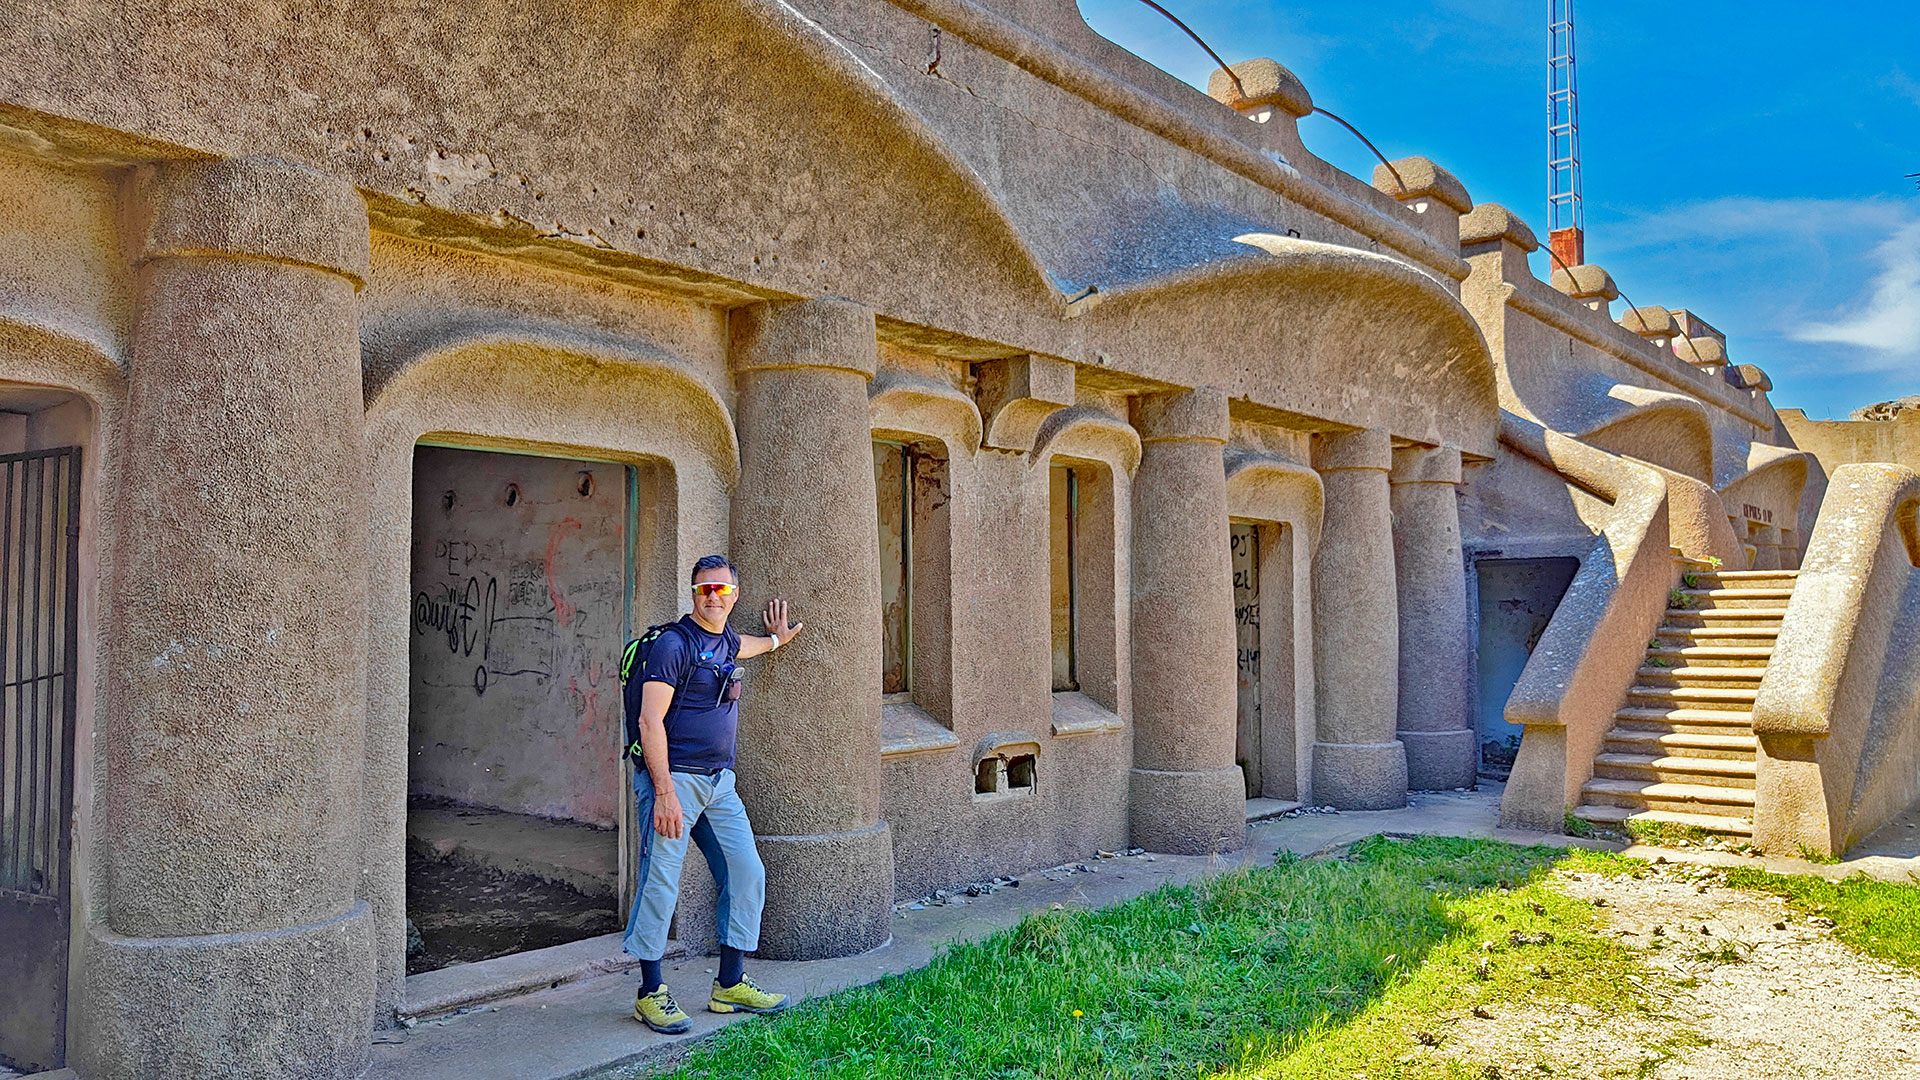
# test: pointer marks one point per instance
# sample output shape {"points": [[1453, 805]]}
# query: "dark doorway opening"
{"points": [[1517, 599], [522, 570]]}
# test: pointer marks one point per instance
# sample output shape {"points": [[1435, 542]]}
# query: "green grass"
{"points": [[1879, 918], [1309, 968]]}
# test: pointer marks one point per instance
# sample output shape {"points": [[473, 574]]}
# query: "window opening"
{"points": [[1063, 556], [893, 468]]}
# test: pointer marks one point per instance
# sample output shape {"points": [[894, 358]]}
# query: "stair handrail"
{"points": [[1592, 647], [1813, 707]]}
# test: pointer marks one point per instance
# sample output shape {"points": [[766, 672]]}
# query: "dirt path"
{"points": [[1743, 988]]}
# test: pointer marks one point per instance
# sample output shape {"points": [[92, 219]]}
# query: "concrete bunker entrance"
{"points": [[1517, 597], [1265, 733], [521, 579]]}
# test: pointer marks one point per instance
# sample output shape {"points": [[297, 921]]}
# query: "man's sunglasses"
{"points": [[715, 588]]}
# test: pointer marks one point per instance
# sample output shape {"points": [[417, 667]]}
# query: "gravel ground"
{"points": [[1743, 988]]}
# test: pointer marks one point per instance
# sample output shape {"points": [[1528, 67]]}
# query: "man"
{"points": [[684, 785]]}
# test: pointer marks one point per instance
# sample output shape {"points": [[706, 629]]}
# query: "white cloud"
{"points": [[1888, 322]]}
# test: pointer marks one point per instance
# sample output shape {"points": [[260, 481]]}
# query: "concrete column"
{"points": [[804, 528], [1187, 795], [231, 943], [1766, 547], [1358, 764], [1434, 723]]}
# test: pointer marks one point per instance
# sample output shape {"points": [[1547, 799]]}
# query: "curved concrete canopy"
{"points": [[1659, 427], [1267, 487], [919, 406], [1774, 479], [1078, 431], [1306, 330], [48, 353], [565, 369]]}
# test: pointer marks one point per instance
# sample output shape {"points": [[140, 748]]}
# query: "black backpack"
{"points": [[633, 661]]}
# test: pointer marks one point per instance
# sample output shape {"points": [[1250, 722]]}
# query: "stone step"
{"points": [[1686, 721], [1719, 636], [1719, 618], [1697, 744], [1718, 772], [1703, 697], [1616, 816], [1701, 675], [1722, 599], [1665, 795], [1755, 656], [1746, 577]]}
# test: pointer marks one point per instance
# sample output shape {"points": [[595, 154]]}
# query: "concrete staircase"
{"points": [[1682, 749]]}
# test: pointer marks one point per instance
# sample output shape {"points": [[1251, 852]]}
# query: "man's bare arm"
{"points": [[655, 698]]}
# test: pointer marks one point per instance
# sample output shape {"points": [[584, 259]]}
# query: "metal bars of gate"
{"points": [[39, 640]]}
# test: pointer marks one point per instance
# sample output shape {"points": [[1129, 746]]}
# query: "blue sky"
{"points": [[1744, 161]]}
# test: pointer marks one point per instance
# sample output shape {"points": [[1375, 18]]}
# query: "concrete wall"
{"points": [[519, 615]]}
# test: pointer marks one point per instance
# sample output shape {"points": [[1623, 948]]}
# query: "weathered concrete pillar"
{"points": [[1187, 794], [1434, 724], [1358, 764], [804, 529], [231, 943], [1766, 547]]}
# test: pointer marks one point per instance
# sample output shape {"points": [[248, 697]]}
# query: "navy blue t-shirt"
{"points": [[700, 727]]}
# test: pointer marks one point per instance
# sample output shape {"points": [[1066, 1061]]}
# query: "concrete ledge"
{"points": [[1074, 713], [1268, 809], [906, 728], [437, 993]]}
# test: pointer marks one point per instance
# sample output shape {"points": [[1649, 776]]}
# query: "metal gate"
{"points": [[39, 639]]}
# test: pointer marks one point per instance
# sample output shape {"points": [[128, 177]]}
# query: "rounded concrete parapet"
{"points": [[1182, 414], [1753, 378], [1262, 82], [1491, 221], [255, 208], [823, 333], [1650, 322], [1585, 282], [1422, 178], [1426, 465], [1700, 350], [1369, 449]]}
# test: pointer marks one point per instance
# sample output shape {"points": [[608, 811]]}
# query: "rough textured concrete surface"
{"points": [[721, 249], [1187, 794], [1358, 764], [1432, 608], [802, 526]]}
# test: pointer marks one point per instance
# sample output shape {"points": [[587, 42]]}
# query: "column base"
{"points": [[827, 895], [292, 1004], [1360, 776], [1441, 760], [1188, 813]]}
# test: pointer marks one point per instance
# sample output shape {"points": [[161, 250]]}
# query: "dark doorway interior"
{"points": [[521, 574], [1517, 598]]}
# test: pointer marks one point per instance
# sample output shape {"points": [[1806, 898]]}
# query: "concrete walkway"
{"points": [[584, 1028]]}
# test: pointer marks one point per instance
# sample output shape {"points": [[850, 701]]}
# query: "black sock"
{"points": [[732, 965], [649, 976]]}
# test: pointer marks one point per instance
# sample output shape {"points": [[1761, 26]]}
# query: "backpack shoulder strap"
{"points": [[631, 657]]}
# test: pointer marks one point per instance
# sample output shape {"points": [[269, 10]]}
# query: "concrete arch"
{"points": [[525, 386], [1659, 427], [1775, 477], [917, 406], [1306, 328], [1267, 487], [1079, 431]]}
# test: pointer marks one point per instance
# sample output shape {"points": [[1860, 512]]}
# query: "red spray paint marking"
{"points": [[563, 612]]}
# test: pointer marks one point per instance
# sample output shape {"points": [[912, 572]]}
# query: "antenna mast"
{"points": [[1566, 224]]}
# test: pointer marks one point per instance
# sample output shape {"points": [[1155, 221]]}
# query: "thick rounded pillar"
{"points": [[230, 943], [1434, 723], [1766, 547], [804, 529], [1187, 794], [1358, 763]]}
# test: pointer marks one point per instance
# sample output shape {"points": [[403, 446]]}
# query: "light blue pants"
{"points": [[718, 823]]}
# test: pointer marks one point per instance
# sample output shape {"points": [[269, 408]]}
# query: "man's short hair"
{"points": [[714, 562]]}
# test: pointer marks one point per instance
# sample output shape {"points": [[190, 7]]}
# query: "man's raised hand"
{"points": [[776, 619]]}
